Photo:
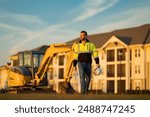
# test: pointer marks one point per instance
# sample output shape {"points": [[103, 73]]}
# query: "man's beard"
{"points": [[83, 39]]}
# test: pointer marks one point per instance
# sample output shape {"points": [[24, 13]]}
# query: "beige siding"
{"points": [[147, 64]]}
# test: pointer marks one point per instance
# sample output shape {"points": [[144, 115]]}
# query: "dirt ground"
{"points": [[49, 96]]}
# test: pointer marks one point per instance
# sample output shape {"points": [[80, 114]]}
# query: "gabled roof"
{"points": [[38, 49], [41, 48], [126, 40], [130, 36], [116, 40]]}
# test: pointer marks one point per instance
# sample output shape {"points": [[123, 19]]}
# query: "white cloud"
{"points": [[21, 18], [90, 8], [35, 36], [133, 17], [21, 36], [14, 28]]}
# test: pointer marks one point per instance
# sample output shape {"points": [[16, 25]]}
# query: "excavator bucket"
{"points": [[66, 88]]}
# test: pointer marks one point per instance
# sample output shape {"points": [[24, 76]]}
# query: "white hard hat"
{"points": [[97, 71]]}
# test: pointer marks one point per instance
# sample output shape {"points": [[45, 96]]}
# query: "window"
{"points": [[137, 69], [121, 86], [130, 70], [15, 63], [35, 60], [61, 73], [110, 55], [110, 71], [41, 57], [121, 54], [130, 55], [20, 59], [61, 60], [137, 84], [110, 86], [51, 73], [137, 52], [121, 70], [27, 59]]}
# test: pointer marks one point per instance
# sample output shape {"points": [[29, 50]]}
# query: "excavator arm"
{"points": [[47, 58]]}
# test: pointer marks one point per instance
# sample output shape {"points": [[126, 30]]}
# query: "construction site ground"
{"points": [[52, 96]]}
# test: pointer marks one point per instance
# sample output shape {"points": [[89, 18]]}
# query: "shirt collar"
{"points": [[86, 41]]}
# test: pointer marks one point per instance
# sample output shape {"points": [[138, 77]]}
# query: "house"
{"points": [[124, 59]]}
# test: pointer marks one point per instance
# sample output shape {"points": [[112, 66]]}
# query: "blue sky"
{"points": [[26, 24]]}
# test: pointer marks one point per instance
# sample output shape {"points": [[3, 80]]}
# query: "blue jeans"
{"points": [[85, 76]]}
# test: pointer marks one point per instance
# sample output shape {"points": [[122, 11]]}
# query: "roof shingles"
{"points": [[130, 36]]}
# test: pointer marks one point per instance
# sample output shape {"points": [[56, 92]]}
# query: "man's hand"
{"points": [[75, 68], [98, 65]]}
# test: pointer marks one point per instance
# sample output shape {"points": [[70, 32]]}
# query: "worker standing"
{"points": [[83, 52]]}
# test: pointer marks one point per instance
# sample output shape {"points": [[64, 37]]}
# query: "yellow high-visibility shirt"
{"points": [[84, 53]]}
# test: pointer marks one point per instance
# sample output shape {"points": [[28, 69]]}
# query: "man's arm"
{"points": [[75, 56], [95, 55]]}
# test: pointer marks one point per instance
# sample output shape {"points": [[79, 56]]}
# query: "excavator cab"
{"points": [[31, 60], [24, 71]]}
